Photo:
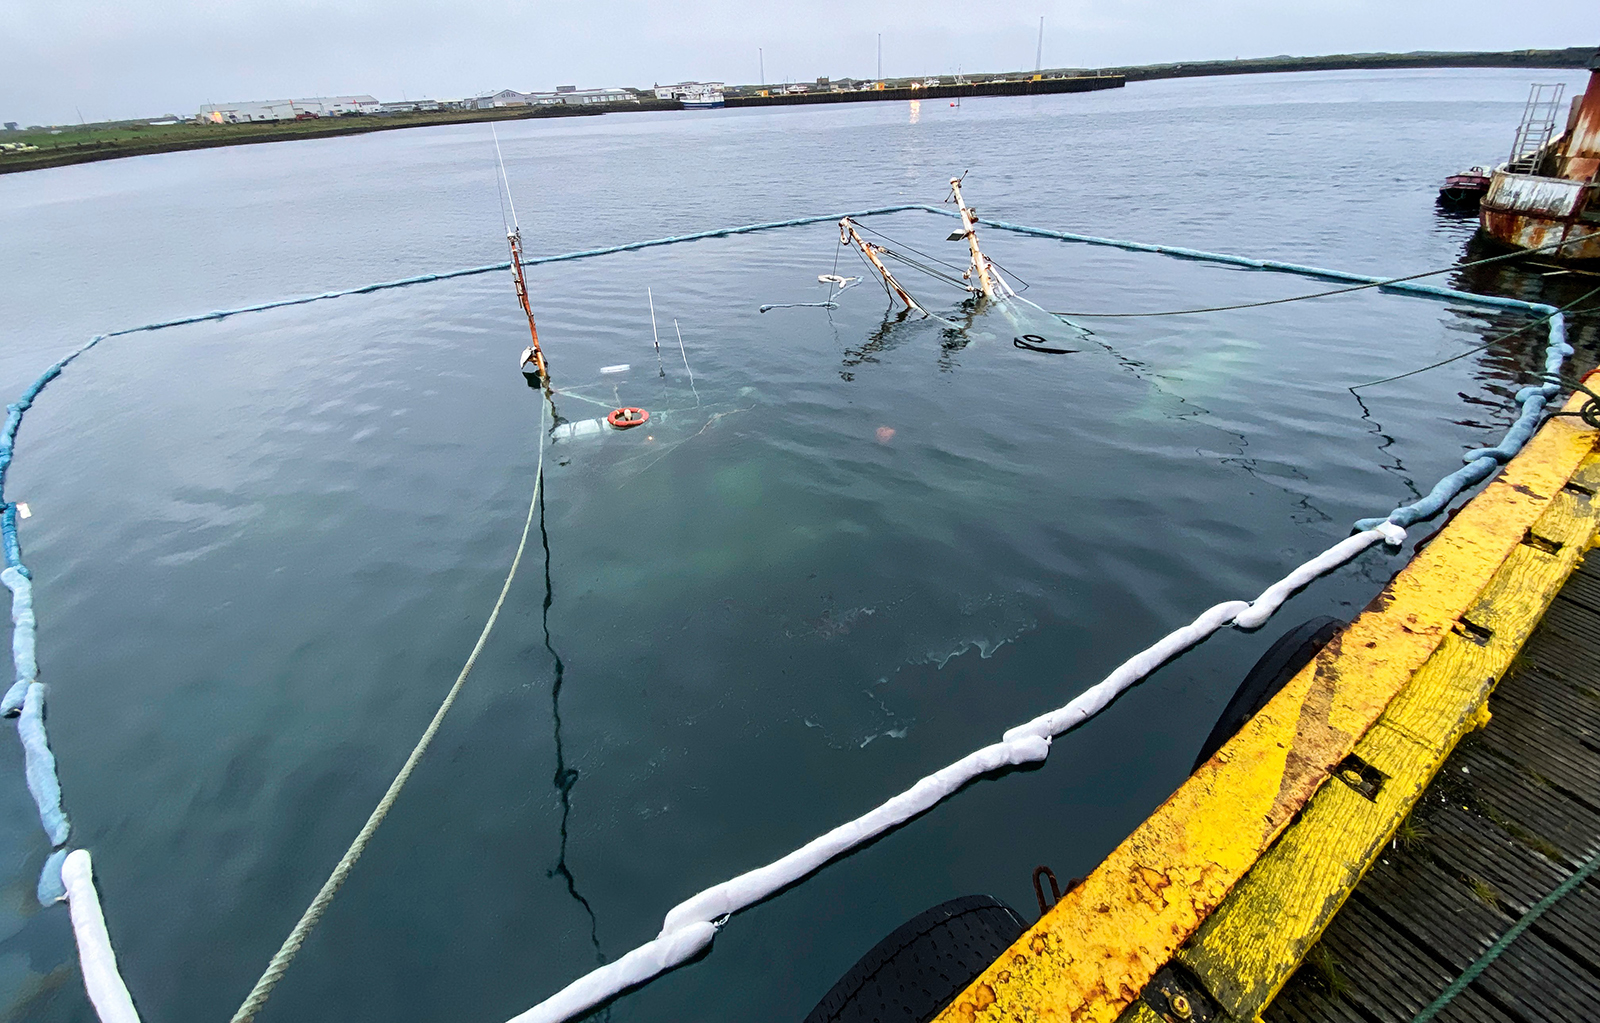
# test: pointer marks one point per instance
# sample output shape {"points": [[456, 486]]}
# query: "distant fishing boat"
{"points": [[1465, 190], [1547, 193], [693, 95], [708, 99]]}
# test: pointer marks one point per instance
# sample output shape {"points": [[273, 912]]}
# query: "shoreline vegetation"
{"points": [[58, 146]]}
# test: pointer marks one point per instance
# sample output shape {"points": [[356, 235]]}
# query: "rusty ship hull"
{"points": [[1551, 197], [1526, 211]]}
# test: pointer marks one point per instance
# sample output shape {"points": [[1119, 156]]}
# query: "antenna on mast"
{"points": [[655, 334]]}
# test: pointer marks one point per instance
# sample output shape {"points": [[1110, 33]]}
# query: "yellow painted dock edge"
{"points": [[1237, 873]]}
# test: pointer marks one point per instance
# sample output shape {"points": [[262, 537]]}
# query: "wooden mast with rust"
{"points": [[533, 354], [532, 361], [848, 235], [969, 230]]}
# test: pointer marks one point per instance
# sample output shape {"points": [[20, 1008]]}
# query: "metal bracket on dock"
{"points": [[1177, 996], [1361, 776]]}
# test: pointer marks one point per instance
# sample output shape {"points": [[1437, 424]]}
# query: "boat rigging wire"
{"points": [[999, 266], [924, 268], [501, 157], [831, 278], [257, 998], [926, 255], [1337, 291], [685, 355], [1508, 335]]}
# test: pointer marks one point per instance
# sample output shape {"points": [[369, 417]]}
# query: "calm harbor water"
{"points": [[855, 549]]}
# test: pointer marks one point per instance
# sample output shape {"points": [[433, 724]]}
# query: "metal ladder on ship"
{"points": [[1537, 129]]}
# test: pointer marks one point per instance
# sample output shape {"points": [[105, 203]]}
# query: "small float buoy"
{"points": [[529, 363], [623, 418]]}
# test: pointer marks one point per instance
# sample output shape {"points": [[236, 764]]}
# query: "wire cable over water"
{"points": [[319, 905], [1335, 291], [1508, 335]]}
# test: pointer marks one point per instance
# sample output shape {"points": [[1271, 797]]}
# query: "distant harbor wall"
{"points": [[1026, 87]]}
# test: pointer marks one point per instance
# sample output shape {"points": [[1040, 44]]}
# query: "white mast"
{"points": [[980, 263]]}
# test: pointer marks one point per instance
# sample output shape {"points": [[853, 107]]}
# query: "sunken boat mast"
{"points": [[982, 276], [848, 235], [989, 280], [532, 361], [533, 356]]}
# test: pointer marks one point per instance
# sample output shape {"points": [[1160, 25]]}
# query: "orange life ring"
{"points": [[623, 418]]}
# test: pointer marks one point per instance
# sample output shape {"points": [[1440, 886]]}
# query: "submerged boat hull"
{"points": [[1527, 211]]}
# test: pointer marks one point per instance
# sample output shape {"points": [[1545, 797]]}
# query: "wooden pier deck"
{"points": [[1515, 809]]}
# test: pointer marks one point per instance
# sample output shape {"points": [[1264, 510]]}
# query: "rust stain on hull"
{"points": [[1531, 231]]}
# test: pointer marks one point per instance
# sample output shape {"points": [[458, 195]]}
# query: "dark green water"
{"points": [[864, 547]]}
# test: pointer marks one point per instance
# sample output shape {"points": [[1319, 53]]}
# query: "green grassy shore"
{"points": [[68, 144]]}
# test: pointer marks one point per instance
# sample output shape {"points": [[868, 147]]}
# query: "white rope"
{"points": [[308, 920], [690, 926]]}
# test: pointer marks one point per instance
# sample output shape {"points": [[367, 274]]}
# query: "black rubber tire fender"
{"points": [[1282, 662], [912, 974]]}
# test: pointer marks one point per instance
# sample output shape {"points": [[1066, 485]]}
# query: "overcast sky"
{"points": [[106, 59]]}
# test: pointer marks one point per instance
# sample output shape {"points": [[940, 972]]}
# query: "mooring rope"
{"points": [[1475, 349], [1486, 960], [63, 872], [319, 905]]}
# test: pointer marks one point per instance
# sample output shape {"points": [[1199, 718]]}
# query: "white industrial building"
{"points": [[411, 106], [289, 109], [570, 94]]}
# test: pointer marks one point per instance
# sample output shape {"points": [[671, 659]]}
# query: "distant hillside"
{"points": [[1572, 57]]}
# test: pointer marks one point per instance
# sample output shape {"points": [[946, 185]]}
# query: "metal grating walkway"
{"points": [[1514, 810]]}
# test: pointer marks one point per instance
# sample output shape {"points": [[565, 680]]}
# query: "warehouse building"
{"points": [[289, 109]]}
